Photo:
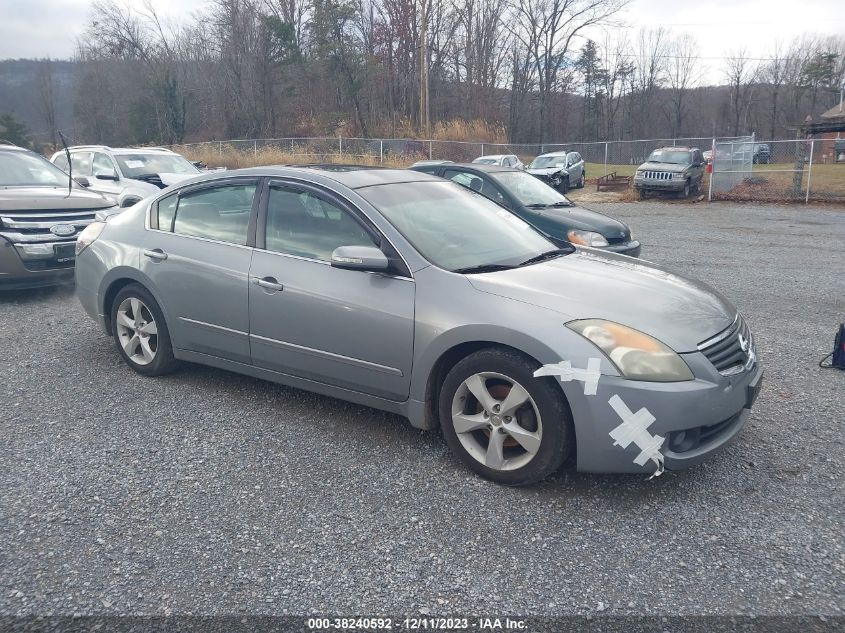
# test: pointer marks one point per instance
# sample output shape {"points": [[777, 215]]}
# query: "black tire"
{"points": [[163, 361], [684, 193], [641, 194], [583, 180], [557, 437], [563, 187]]}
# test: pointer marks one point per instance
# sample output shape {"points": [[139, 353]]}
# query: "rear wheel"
{"points": [[140, 332], [502, 422]]}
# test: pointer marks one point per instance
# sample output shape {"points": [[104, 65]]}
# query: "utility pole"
{"points": [[424, 111]]}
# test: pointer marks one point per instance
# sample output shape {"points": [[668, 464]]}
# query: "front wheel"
{"points": [[563, 187], [140, 332], [686, 190], [583, 180], [501, 421]]}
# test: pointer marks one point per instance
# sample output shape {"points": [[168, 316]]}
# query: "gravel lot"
{"points": [[208, 493]]}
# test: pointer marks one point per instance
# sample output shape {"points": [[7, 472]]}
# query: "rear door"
{"points": [[197, 254], [347, 328]]}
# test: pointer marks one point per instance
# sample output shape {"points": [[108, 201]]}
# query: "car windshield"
{"points": [[486, 161], [25, 169], [529, 190], [455, 228], [669, 156], [542, 162], [137, 165]]}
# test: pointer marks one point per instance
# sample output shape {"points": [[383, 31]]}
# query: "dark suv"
{"points": [[41, 214], [674, 169]]}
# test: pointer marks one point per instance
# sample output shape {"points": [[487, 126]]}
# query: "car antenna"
{"points": [[69, 166]]}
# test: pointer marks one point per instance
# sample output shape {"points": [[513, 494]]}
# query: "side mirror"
{"points": [[82, 181], [367, 258], [106, 176]]}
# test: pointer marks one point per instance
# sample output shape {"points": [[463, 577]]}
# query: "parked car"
{"points": [[125, 174], [675, 169], [401, 291], [503, 160], [543, 207], [41, 212], [762, 153], [562, 170]]}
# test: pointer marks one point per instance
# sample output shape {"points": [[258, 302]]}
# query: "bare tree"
{"points": [[47, 97], [740, 72], [683, 72]]}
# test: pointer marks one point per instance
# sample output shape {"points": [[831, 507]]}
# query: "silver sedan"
{"points": [[408, 293]]}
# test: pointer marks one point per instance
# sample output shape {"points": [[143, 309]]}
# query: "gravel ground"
{"points": [[208, 493]]}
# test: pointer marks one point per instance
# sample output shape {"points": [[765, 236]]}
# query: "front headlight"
{"points": [[586, 238], [678, 176], [637, 356], [640, 174], [88, 235]]}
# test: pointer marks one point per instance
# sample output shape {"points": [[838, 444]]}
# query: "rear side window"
{"points": [[219, 213], [476, 183]]}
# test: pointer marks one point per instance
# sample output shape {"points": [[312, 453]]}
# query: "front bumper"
{"points": [[632, 248], [19, 269], [697, 418], [648, 184]]}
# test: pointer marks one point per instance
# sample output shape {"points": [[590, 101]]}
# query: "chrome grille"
{"points": [[34, 226], [732, 350], [658, 175]]}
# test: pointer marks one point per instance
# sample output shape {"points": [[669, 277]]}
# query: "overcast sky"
{"points": [[49, 28]]}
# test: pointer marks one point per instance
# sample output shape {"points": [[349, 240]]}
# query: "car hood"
{"points": [[668, 167], [167, 179], [543, 171], [586, 220], [50, 198], [590, 284]]}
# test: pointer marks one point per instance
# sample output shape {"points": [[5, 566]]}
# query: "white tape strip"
{"points": [[566, 372], [634, 429]]}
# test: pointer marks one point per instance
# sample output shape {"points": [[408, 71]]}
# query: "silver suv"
{"points": [[126, 175], [562, 170]]}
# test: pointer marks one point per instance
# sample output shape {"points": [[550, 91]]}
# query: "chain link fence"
{"points": [[742, 168]]}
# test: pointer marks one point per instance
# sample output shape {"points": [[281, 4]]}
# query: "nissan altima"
{"points": [[402, 291]]}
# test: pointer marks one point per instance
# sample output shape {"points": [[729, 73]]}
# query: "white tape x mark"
{"points": [[565, 372], [634, 429]]}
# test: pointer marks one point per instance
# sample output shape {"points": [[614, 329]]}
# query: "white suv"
{"points": [[126, 175]]}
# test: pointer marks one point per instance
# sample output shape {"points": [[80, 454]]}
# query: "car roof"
{"points": [[121, 150], [11, 147], [351, 176], [483, 167], [562, 152], [678, 149], [493, 156]]}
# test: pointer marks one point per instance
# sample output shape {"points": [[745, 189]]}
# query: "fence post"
{"points": [[482, 149], [605, 158], [255, 147], [712, 170], [810, 170], [220, 148], [381, 151], [429, 149], [340, 146]]}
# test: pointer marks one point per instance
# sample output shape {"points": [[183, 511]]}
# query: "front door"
{"points": [[347, 328], [197, 255]]}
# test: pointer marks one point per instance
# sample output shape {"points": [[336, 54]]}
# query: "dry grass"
{"points": [[234, 158], [472, 131]]}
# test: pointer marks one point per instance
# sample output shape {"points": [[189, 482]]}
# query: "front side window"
{"points": [[454, 228], [476, 183], [220, 213], [301, 223], [103, 165]]}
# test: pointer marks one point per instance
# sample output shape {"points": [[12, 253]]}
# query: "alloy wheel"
{"points": [[137, 331], [497, 421]]}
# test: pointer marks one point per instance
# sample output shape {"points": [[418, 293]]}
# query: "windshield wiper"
{"points": [[548, 255], [483, 268], [544, 205], [562, 203]]}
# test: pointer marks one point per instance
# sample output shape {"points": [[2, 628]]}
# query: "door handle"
{"points": [[269, 283], [155, 253]]}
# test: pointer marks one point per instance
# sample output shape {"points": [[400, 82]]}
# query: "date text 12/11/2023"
{"points": [[416, 624]]}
